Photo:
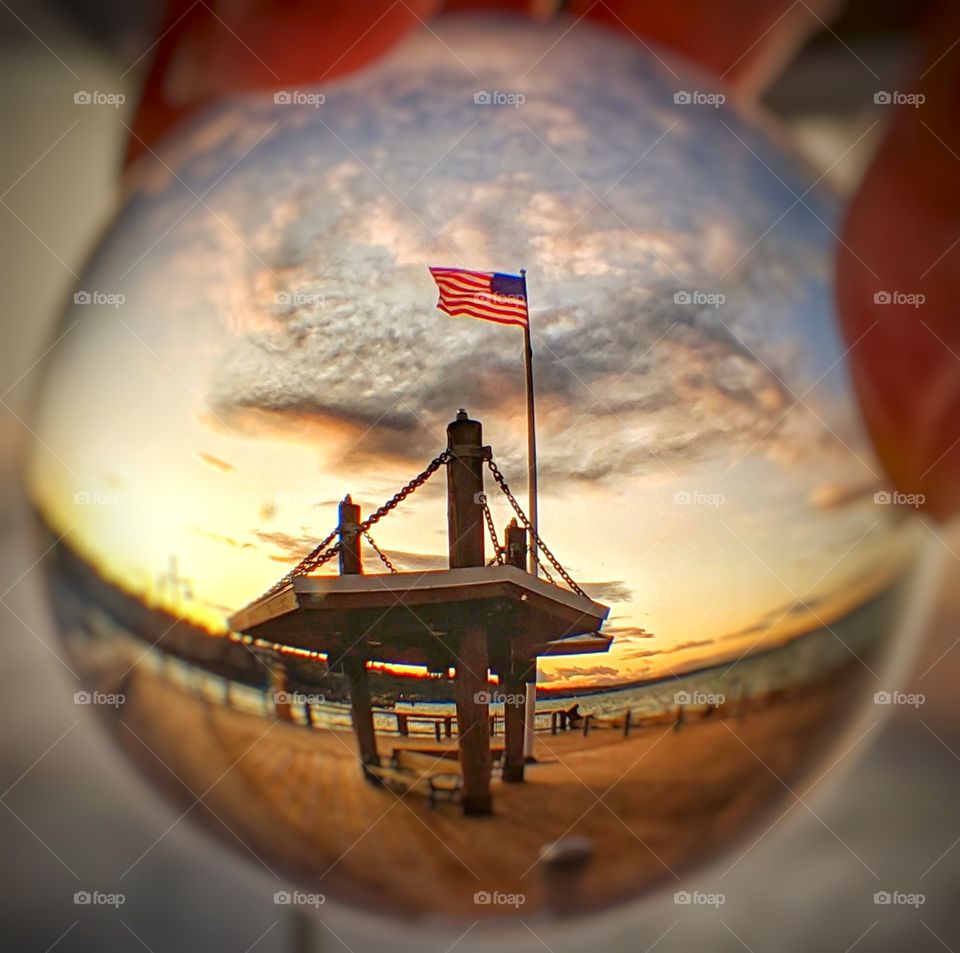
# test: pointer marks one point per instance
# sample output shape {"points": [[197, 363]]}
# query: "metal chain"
{"points": [[497, 548], [324, 552], [316, 557], [564, 575], [544, 569], [398, 497], [384, 558]]}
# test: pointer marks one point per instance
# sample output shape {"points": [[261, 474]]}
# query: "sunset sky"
{"points": [[278, 345]]}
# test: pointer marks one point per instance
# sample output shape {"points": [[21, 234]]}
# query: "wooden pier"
{"points": [[472, 618]]}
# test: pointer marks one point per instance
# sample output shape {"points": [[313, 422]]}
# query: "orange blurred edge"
{"points": [[898, 281], [745, 42], [205, 52]]}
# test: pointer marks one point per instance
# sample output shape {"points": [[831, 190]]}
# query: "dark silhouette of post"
{"points": [[514, 674], [465, 521], [514, 716], [351, 562], [354, 662]]}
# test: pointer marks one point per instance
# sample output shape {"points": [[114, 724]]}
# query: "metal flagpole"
{"points": [[530, 689], [531, 431]]}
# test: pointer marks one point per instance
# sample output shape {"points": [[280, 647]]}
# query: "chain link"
{"points": [[384, 558], [316, 557], [492, 529], [564, 575], [398, 497], [324, 552]]}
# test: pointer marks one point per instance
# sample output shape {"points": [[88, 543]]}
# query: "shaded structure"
{"points": [[471, 618]]}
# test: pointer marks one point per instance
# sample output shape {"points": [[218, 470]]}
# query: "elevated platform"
{"points": [[408, 617]]}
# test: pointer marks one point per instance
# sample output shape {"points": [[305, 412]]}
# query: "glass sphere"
{"points": [[256, 337]]}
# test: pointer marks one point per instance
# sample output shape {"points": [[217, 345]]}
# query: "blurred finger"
{"points": [[899, 281]]}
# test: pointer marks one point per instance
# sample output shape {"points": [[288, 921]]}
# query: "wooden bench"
{"points": [[420, 773]]}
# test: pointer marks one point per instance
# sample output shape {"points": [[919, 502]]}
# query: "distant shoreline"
{"points": [[225, 657]]}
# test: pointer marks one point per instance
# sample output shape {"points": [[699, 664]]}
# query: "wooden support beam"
{"points": [[351, 561], [470, 686], [361, 707], [279, 689], [513, 680], [465, 519], [465, 524], [515, 545]]}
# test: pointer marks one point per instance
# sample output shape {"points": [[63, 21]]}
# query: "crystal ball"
{"points": [[291, 497]]}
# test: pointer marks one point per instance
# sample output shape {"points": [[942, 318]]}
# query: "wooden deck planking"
{"points": [[297, 794]]}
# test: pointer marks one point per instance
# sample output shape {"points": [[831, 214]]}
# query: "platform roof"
{"points": [[414, 617]]}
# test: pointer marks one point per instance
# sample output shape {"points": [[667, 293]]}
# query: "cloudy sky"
{"points": [[702, 466]]}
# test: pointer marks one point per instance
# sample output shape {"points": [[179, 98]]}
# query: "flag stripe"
{"points": [[485, 315], [485, 300], [471, 293]]}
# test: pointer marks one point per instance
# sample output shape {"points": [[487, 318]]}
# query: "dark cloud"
{"points": [[599, 672], [627, 633], [215, 462], [614, 591], [418, 562], [227, 540], [291, 547], [339, 328]]}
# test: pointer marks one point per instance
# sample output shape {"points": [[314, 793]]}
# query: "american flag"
{"points": [[488, 295]]}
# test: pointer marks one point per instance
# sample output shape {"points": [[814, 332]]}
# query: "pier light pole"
{"points": [[465, 521]]}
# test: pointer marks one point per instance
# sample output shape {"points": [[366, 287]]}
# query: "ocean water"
{"points": [[855, 639]]}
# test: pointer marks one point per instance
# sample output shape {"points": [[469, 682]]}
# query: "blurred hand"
{"points": [[901, 237]]}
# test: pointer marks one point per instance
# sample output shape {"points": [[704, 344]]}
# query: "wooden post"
{"points": [[279, 690], [564, 863], [361, 708], [465, 523], [470, 686], [515, 674], [354, 663], [351, 561], [465, 520], [515, 544], [513, 680], [530, 723]]}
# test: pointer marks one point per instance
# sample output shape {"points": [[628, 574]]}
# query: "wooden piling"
{"points": [[470, 686], [351, 560], [515, 545], [354, 663], [465, 522], [361, 707], [513, 679], [279, 689]]}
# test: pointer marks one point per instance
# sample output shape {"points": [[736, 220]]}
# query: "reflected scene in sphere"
{"points": [[410, 721]]}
